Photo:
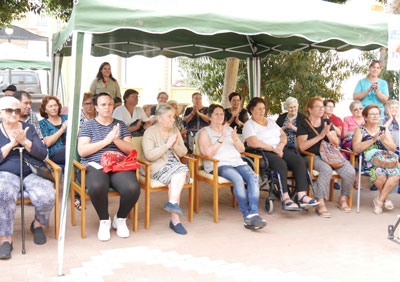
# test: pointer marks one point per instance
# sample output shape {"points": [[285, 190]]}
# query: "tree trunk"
{"points": [[231, 75]]}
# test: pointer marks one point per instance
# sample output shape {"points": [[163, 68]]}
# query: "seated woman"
{"points": [[40, 191], [220, 141], [309, 141], [97, 136], [288, 121], [263, 133], [53, 127], [236, 116], [336, 121], [368, 139], [163, 145], [391, 120], [351, 123]]}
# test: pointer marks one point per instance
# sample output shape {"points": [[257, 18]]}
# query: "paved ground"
{"points": [[293, 247]]}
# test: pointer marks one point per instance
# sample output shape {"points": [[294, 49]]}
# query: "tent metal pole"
{"points": [[78, 42]]}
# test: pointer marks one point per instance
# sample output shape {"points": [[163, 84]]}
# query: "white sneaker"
{"points": [[120, 225], [104, 230]]}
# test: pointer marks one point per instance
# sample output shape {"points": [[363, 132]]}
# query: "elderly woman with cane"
{"points": [[14, 133]]}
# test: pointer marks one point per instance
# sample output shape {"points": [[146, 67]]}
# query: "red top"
{"points": [[336, 121]]}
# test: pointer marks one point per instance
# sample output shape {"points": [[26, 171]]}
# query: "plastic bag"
{"points": [[115, 161]]}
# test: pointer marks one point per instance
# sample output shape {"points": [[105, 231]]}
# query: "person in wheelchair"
{"points": [[309, 141], [263, 133], [220, 141]]}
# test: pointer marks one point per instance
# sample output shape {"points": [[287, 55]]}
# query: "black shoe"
{"points": [[5, 250], [256, 222], [289, 205], [38, 235], [373, 188]]}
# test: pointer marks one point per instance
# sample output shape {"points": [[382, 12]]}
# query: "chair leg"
{"points": [[72, 192], [331, 189], [147, 209], [190, 212], [83, 216], [135, 217], [350, 200], [196, 196], [215, 203]]}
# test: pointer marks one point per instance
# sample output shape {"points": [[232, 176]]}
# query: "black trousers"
{"points": [[293, 162], [124, 182], [58, 156]]}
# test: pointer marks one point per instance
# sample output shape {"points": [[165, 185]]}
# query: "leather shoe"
{"points": [[38, 235], [178, 228], [5, 250]]}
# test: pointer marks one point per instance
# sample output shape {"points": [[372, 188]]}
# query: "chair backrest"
{"points": [[137, 145], [196, 149]]}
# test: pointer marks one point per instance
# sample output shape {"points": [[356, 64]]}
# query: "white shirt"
{"points": [[122, 113], [269, 134]]}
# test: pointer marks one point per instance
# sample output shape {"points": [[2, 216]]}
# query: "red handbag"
{"points": [[115, 161]]}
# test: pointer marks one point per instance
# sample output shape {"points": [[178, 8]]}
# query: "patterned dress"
{"points": [[172, 167], [373, 171], [290, 133]]}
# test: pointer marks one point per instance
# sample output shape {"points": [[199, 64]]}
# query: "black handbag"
{"points": [[42, 171]]}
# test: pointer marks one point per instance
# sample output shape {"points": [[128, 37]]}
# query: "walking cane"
{"points": [[21, 163]]}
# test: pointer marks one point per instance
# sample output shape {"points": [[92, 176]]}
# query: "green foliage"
{"points": [[300, 74], [11, 10]]}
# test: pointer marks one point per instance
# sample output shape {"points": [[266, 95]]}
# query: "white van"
{"points": [[24, 81]]}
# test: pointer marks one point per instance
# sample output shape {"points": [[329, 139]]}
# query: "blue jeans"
{"points": [[248, 201]]}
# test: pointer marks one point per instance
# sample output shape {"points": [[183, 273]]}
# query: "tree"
{"points": [[299, 74], [11, 10]]}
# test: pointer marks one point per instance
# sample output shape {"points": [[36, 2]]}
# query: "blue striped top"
{"points": [[97, 132]]}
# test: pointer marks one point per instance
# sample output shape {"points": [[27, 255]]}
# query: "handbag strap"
{"points": [[312, 126]]}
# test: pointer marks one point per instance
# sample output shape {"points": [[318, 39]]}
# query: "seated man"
{"points": [[26, 115], [134, 117]]}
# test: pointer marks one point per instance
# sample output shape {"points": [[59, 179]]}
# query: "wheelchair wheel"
{"points": [[269, 205], [250, 162], [274, 188]]}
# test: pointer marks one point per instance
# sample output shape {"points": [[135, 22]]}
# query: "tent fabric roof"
{"points": [[21, 34], [15, 57], [221, 28]]}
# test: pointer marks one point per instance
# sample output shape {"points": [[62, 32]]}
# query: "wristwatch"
{"points": [[26, 142]]}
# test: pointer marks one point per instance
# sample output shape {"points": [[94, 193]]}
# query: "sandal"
{"points": [[377, 206], [343, 206], [322, 211], [306, 205], [289, 205], [388, 204], [77, 204]]}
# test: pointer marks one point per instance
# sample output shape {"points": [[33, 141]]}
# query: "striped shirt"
{"points": [[97, 132]]}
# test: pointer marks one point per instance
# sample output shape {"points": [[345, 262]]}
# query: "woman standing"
{"points": [[14, 133], [263, 133], [309, 141], [220, 141], [236, 116], [97, 136], [53, 127], [105, 82], [163, 146], [368, 139], [288, 121], [351, 123], [372, 90]]}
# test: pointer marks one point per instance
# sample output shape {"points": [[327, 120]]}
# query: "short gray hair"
{"points": [[163, 108], [354, 103], [389, 103], [289, 101], [7, 101]]}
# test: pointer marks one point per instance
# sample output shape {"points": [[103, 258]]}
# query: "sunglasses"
{"points": [[9, 111]]}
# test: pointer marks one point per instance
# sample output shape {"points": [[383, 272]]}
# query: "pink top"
{"points": [[349, 124]]}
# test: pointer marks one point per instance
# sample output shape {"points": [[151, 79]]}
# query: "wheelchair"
{"points": [[270, 181]]}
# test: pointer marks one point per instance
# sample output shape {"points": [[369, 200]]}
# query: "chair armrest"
{"points": [[192, 162], [78, 165], [311, 161], [215, 166], [256, 161], [53, 165], [352, 154], [145, 163], [205, 158], [251, 155]]}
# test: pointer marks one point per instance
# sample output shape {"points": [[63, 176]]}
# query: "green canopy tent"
{"points": [[218, 29]]}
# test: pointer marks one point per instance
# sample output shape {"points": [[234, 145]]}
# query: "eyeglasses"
{"points": [[319, 107], [357, 109], [373, 114], [9, 111]]}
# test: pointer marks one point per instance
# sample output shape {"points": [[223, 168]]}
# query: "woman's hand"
{"points": [[64, 126], [172, 140], [234, 134], [325, 130], [20, 136], [278, 151], [113, 134]]}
